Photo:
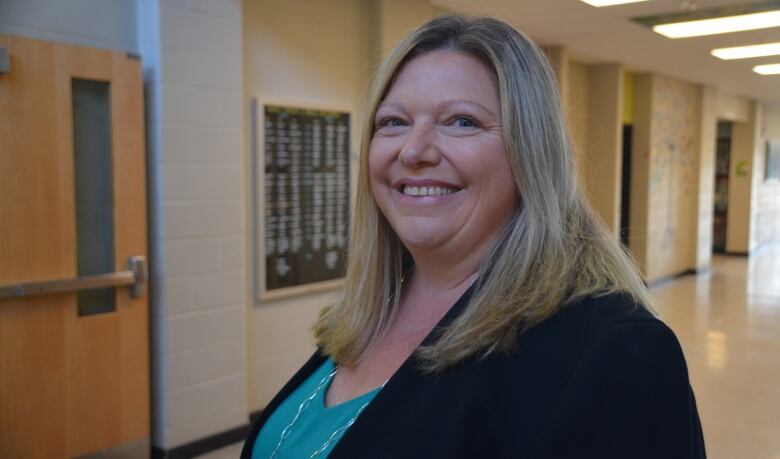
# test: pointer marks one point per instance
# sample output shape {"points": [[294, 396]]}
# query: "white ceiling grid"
{"points": [[608, 34]]}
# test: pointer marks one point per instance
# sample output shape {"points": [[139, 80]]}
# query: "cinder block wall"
{"points": [[192, 55]]}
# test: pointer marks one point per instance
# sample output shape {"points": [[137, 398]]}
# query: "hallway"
{"points": [[728, 322]]}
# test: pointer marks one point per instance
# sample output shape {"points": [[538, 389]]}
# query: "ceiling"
{"points": [[608, 34]]}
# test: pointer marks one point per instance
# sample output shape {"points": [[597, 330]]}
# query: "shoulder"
{"points": [[612, 328], [593, 343], [612, 317], [627, 390], [604, 311], [617, 329]]}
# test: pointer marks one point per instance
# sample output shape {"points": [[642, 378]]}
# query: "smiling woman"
{"points": [[437, 162], [486, 312]]}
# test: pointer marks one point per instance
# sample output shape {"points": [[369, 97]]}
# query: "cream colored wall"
{"points": [[559, 61], [742, 181], [672, 186], [395, 18], [664, 182], [767, 222], [603, 157], [732, 108], [593, 101], [706, 176], [640, 169], [575, 96], [318, 54]]}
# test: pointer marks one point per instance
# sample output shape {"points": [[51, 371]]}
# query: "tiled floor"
{"points": [[728, 321]]}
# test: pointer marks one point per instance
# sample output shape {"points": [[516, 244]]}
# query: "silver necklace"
{"points": [[305, 404]]}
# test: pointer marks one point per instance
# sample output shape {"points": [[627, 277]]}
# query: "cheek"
{"points": [[380, 158], [497, 175], [377, 173]]}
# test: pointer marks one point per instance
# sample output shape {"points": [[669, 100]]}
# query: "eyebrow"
{"points": [[444, 105]]}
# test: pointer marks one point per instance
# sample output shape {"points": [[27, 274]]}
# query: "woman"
{"points": [[486, 312]]}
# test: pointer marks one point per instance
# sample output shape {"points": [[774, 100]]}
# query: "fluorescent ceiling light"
{"points": [[769, 69], [744, 52], [610, 2], [720, 25]]}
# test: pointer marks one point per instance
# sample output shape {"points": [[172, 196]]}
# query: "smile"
{"points": [[426, 190]]}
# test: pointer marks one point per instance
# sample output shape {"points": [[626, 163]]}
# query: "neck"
{"points": [[438, 276], [445, 268], [436, 281]]}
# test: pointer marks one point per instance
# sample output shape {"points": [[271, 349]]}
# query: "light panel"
{"points": [[715, 26], [769, 69], [610, 2], [745, 52]]}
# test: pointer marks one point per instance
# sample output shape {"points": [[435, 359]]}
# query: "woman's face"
{"points": [[437, 161]]}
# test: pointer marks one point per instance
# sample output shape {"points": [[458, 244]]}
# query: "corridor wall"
{"points": [[705, 179], [192, 61], [593, 100], [665, 164], [743, 182], [767, 221]]}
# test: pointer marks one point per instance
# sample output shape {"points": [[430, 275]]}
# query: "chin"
{"points": [[427, 238]]}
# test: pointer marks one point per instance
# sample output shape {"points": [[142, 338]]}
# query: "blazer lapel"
{"points": [[406, 379]]}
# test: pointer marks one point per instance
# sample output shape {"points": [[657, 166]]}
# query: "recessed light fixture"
{"points": [[744, 52], [610, 2], [727, 24], [769, 69]]}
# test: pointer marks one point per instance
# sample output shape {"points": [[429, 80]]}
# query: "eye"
{"points": [[464, 121], [389, 122]]}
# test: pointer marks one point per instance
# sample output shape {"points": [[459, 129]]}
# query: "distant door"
{"points": [[625, 185], [74, 366], [720, 206]]}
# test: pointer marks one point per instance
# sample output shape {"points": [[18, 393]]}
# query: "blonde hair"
{"points": [[553, 251]]}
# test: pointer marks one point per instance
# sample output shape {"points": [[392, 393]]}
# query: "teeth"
{"points": [[427, 191]]}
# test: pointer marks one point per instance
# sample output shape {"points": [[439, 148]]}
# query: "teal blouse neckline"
{"points": [[315, 424]]}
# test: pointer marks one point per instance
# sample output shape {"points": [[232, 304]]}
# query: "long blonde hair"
{"points": [[553, 251]]}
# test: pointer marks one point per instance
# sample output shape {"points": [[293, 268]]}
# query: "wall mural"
{"points": [[672, 172]]}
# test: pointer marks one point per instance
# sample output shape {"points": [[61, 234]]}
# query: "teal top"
{"points": [[314, 426]]}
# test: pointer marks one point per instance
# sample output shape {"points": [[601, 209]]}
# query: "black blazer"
{"points": [[602, 379]]}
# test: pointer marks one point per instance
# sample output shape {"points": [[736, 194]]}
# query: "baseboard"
{"points": [[207, 444], [735, 254], [666, 279]]}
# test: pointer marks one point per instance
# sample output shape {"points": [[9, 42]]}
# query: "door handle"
{"points": [[136, 277]]}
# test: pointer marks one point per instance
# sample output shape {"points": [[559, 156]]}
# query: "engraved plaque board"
{"points": [[304, 190]]}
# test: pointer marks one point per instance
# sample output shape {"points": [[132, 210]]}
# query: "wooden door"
{"points": [[71, 382]]}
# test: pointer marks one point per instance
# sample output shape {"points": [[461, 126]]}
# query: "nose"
{"points": [[419, 148]]}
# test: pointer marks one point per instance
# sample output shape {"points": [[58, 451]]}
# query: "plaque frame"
{"points": [[256, 117]]}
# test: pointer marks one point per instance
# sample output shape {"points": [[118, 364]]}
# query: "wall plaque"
{"points": [[305, 190]]}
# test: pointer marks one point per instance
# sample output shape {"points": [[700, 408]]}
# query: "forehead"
{"points": [[442, 73]]}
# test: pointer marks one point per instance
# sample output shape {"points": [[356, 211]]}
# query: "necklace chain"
{"points": [[304, 405]]}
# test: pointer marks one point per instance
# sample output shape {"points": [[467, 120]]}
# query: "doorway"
{"points": [[721, 199], [625, 186], [74, 346]]}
